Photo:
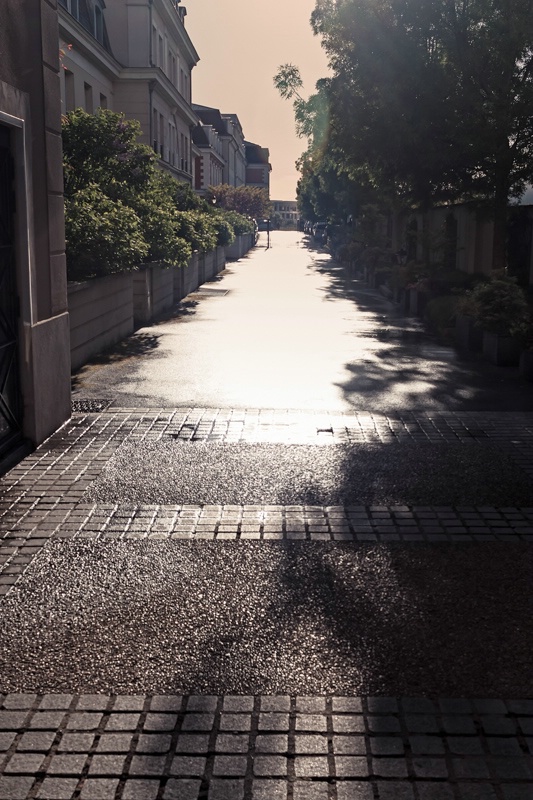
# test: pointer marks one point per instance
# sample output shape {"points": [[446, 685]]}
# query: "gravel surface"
{"points": [[169, 471], [307, 618]]}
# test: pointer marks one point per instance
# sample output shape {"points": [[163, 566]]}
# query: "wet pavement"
{"points": [[281, 550]]}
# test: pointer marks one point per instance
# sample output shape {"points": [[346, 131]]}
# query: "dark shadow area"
{"points": [[249, 618], [135, 346], [416, 370]]}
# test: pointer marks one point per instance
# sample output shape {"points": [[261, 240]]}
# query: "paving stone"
{"points": [[73, 742], [269, 790], [107, 765], [430, 767], [192, 743], [386, 745], [220, 789], [232, 743], [188, 766], [310, 791], [67, 764], [349, 745], [310, 744], [273, 766], [12, 720], [311, 767], [233, 703], [57, 789], [470, 767], [55, 701], [6, 740], [476, 791], [354, 790], [99, 789], [181, 789], [15, 787], [19, 701], [24, 763], [40, 741], [123, 722], [434, 791], [140, 790], [271, 743], [153, 743], [82, 721], [129, 703], [229, 766], [191, 722], [147, 765], [267, 722], [394, 790], [311, 722], [201, 703], [115, 743], [276, 703], [517, 792]]}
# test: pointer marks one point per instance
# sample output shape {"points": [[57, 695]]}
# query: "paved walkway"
{"points": [[203, 651]]}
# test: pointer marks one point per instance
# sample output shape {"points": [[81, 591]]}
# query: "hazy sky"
{"points": [[241, 44]]}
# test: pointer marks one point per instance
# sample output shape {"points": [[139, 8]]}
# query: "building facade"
{"points": [[227, 141], [287, 212], [136, 58], [258, 167], [34, 322]]}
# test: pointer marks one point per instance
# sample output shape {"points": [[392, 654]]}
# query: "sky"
{"points": [[241, 44]]}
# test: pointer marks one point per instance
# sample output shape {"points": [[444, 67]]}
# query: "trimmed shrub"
{"points": [[103, 236]]}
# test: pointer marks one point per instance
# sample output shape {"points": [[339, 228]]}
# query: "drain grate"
{"points": [[89, 406]]}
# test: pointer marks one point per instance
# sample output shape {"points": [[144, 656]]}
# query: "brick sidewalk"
{"points": [[255, 748], [235, 747]]}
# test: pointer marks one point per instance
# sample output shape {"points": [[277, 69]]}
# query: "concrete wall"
{"points": [[101, 314]]}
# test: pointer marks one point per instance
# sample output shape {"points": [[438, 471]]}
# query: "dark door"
{"points": [[10, 396]]}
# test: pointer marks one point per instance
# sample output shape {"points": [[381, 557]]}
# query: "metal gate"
{"points": [[10, 396]]}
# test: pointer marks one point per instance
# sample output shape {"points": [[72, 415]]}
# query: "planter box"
{"points": [[153, 292], [101, 314], [417, 302], [468, 335], [526, 365], [504, 351]]}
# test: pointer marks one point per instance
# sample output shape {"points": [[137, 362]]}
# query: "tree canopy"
{"points": [[429, 100]]}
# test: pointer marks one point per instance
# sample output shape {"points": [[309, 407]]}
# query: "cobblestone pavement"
{"points": [[262, 747]]}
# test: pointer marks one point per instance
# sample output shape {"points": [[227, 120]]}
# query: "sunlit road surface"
{"points": [[286, 328]]}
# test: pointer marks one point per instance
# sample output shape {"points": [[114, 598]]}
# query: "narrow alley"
{"points": [[281, 551]]}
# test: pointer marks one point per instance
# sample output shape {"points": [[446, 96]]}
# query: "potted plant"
{"points": [[498, 306]]}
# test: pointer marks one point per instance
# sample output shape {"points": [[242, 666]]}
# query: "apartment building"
{"points": [[136, 58], [287, 211], [258, 167], [228, 137]]}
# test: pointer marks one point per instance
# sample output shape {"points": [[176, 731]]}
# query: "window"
{"points": [[161, 53], [103, 101], [88, 89], [161, 134], [99, 23], [74, 8], [154, 47], [154, 131], [70, 99]]}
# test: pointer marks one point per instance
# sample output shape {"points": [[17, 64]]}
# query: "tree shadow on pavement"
{"points": [[135, 346]]}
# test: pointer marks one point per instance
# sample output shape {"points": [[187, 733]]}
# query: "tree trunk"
{"points": [[500, 211]]}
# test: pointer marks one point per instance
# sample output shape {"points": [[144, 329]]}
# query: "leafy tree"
{"points": [[250, 201], [434, 100]]}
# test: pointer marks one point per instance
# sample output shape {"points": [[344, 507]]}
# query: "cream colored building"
{"points": [[229, 143], [136, 57]]}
